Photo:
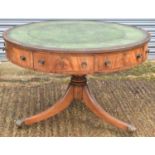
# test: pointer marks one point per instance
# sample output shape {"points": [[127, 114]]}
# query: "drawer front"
{"points": [[82, 64], [135, 57], [20, 57], [43, 61], [109, 62], [62, 63]]}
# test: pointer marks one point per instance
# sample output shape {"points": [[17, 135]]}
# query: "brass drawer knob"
{"points": [[148, 51], [4, 48], [41, 61], [84, 64], [107, 63], [23, 58], [138, 56]]}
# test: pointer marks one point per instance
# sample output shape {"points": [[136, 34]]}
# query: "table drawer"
{"points": [[43, 61], [20, 56], [62, 63], [109, 62]]}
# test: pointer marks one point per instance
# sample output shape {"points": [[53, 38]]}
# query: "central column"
{"points": [[78, 82]]}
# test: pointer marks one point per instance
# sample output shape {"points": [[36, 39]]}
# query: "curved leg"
{"points": [[92, 104], [59, 106]]}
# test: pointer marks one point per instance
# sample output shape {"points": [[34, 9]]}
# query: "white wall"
{"points": [[77, 9]]}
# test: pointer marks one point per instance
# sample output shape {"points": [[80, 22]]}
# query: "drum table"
{"points": [[76, 48]]}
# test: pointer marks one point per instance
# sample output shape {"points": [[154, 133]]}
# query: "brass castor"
{"points": [[131, 128], [19, 123]]}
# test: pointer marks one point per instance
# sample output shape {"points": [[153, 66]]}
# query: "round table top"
{"points": [[77, 36]]}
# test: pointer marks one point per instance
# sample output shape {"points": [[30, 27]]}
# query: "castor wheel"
{"points": [[19, 123], [131, 128]]}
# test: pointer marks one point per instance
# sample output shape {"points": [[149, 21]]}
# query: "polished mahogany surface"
{"points": [[76, 47]]}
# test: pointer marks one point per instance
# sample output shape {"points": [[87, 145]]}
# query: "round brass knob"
{"points": [[4, 48], [23, 58], [41, 61], [148, 51], [84, 64], [107, 63], [138, 56]]}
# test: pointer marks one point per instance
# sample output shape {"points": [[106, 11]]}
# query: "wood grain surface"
{"points": [[77, 63]]}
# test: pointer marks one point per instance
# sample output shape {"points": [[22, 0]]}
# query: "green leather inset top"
{"points": [[76, 35]]}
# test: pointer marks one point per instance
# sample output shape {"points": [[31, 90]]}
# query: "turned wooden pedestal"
{"points": [[77, 90]]}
